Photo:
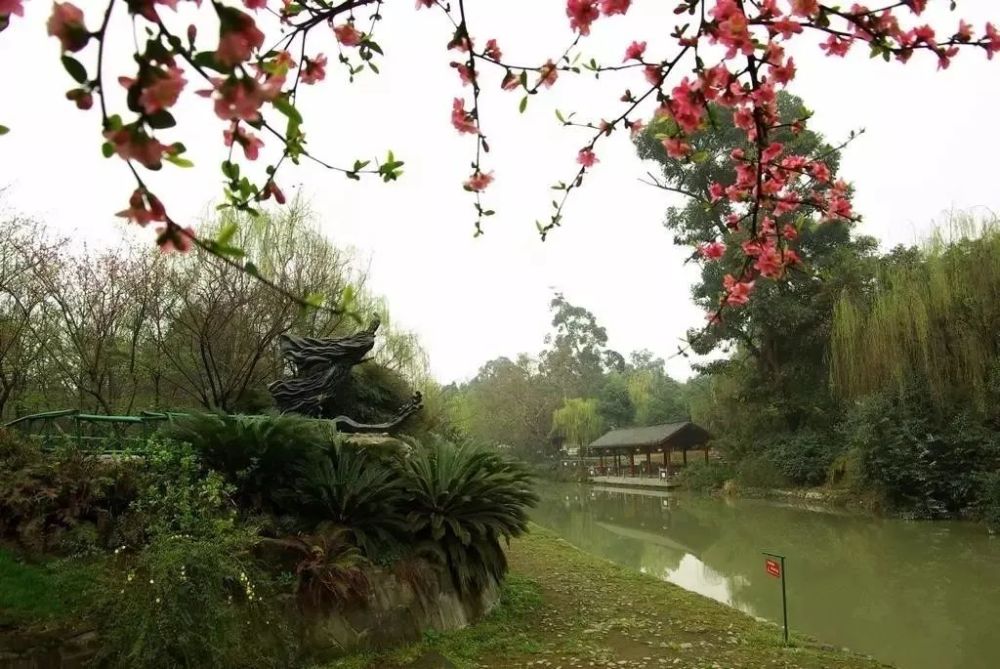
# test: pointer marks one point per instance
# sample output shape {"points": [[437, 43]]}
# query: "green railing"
{"points": [[92, 431]]}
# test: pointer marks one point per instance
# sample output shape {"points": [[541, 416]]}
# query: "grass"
{"points": [[42, 592], [561, 607]]}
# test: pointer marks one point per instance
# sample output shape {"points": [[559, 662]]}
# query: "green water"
{"points": [[921, 595]]}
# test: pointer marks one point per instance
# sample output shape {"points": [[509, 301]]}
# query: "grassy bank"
{"points": [[37, 594], [565, 608]]}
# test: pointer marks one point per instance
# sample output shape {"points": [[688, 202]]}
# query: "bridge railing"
{"points": [[118, 432]]}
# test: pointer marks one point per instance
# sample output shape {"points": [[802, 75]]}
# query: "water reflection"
{"points": [[922, 595]]}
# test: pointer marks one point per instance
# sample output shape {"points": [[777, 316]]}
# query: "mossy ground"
{"points": [[562, 608], [44, 592]]}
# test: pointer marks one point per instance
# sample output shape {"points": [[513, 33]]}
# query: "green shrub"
{"points": [[463, 500], [192, 601], [261, 455], [191, 592], [705, 476], [804, 457], [989, 500], [758, 471], [921, 461], [63, 501], [352, 487]]}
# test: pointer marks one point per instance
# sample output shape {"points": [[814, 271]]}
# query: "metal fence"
{"points": [[96, 432]]}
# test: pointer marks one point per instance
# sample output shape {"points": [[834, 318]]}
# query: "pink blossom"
{"points": [[769, 263], [820, 171], [347, 34], [787, 27], [255, 4], [424, 3], [66, 23], [492, 50], [712, 250], [771, 152], [835, 46], [581, 14], [806, 8], [918, 6], [993, 40], [783, 73], [676, 147], [239, 99], [465, 73], [271, 188], [586, 157], [510, 81], [636, 127], [11, 7], [461, 119], [478, 182], [737, 292], [313, 69], [653, 74], [175, 238], [732, 29], [635, 51], [164, 91], [548, 74], [789, 232], [251, 143], [611, 7], [240, 36], [964, 31], [81, 97], [143, 208], [132, 145]]}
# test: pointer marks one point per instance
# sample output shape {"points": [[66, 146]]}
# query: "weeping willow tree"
{"points": [[932, 320], [578, 421]]}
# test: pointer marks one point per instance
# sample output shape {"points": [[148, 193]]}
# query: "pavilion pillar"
{"points": [[706, 454], [618, 466], [649, 462], [631, 463], [602, 462], [685, 451]]}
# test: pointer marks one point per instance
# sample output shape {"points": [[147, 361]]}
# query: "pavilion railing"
{"points": [[97, 432]]}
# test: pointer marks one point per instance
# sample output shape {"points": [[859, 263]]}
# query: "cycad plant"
{"points": [[262, 456], [462, 500], [355, 488]]}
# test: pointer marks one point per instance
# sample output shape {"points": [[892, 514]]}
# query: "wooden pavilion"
{"points": [[662, 440]]}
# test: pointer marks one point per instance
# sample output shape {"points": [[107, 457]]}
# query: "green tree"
{"points": [[578, 422]]}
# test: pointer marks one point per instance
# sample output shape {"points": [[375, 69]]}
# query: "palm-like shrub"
{"points": [[462, 500], [263, 456], [353, 487]]}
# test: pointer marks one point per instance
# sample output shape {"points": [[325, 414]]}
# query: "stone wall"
{"points": [[403, 602]]}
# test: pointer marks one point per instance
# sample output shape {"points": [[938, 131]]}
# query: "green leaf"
{"points": [[75, 69], [4, 130], [560, 117], [523, 105], [315, 299], [282, 104], [207, 60], [161, 120], [699, 157], [251, 269], [178, 161], [227, 233]]}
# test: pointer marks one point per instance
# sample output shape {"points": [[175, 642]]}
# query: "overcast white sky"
{"points": [[932, 145]]}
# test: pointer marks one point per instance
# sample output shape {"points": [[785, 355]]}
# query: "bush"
{"points": [[261, 455], [352, 487], [63, 501], [989, 500], [922, 462], [758, 471], [192, 594], [804, 457], [463, 499], [705, 476]]}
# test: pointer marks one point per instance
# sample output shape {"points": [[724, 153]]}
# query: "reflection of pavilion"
{"points": [[659, 440]]}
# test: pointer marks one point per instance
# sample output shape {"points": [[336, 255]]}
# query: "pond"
{"points": [[922, 595]]}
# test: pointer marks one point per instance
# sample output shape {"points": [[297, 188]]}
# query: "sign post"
{"points": [[774, 565]]}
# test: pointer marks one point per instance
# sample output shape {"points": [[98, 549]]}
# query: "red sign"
{"points": [[772, 567]]}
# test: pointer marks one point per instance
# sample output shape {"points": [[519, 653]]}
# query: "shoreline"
{"points": [[564, 607]]}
